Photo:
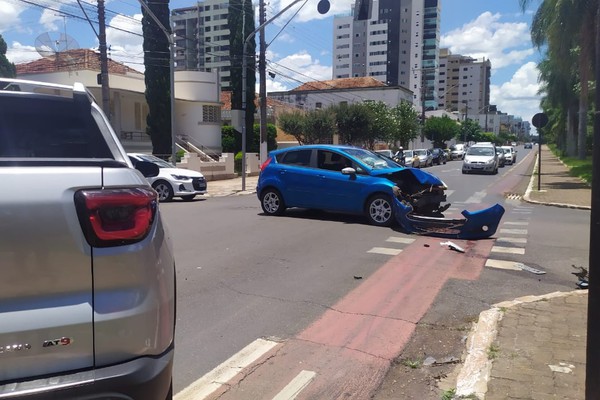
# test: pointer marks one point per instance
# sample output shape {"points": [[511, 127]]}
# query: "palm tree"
{"points": [[568, 29]]}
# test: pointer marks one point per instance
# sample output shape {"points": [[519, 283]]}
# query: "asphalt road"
{"points": [[243, 276]]}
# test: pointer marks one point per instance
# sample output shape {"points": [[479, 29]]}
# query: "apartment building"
{"points": [[202, 38], [464, 83], [398, 45]]}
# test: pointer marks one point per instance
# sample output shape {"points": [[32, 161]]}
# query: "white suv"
{"points": [[481, 157], [87, 299]]}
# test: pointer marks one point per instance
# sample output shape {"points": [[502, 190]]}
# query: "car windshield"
{"points": [[373, 160], [408, 153], [507, 150], [480, 151], [153, 159], [421, 152]]}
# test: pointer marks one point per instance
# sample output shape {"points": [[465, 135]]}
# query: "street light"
{"points": [[322, 8], [171, 76]]}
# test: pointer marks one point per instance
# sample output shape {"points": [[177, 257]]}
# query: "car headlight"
{"points": [[181, 177], [491, 161]]}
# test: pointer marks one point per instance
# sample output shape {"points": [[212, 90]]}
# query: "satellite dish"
{"points": [[51, 44]]}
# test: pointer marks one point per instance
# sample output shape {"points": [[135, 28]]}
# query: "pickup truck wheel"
{"points": [[164, 190], [379, 210]]}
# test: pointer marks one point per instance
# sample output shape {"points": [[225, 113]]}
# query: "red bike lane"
{"points": [[348, 350]]}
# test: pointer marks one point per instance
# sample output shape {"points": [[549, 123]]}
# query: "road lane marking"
{"points": [[216, 378], [502, 264], [449, 192], [508, 250], [385, 250], [396, 239], [516, 223], [476, 198], [297, 384], [514, 231], [512, 240]]}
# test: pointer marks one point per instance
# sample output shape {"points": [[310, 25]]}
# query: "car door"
{"points": [[336, 190], [296, 177]]}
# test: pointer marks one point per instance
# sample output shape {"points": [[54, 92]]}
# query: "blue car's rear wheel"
{"points": [[272, 202], [379, 210]]}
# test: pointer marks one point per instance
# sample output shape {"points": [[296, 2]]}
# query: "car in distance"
{"points": [[528, 145], [171, 181], [510, 154], [501, 158], [439, 156], [396, 156], [87, 306], [425, 157], [457, 151], [411, 159], [344, 179], [481, 157]]}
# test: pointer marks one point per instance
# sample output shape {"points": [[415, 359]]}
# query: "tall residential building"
{"points": [[398, 45], [464, 83], [202, 38]]}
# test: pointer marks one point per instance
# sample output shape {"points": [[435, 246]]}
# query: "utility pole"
{"points": [[263, 82], [103, 59]]}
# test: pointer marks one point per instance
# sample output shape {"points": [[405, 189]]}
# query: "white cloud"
{"points": [[298, 68], [49, 19], [9, 15], [125, 44], [503, 43], [519, 95], [18, 53], [309, 10]]}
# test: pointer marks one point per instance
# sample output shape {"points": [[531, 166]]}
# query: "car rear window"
{"points": [[295, 157], [34, 126]]}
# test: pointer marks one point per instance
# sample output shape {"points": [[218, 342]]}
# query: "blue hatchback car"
{"points": [[344, 179]]}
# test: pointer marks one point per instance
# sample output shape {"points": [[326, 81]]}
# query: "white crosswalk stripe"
{"points": [[396, 239], [513, 231], [512, 240], [385, 250], [508, 250]]}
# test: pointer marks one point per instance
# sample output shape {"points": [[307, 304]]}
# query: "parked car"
{"points": [[411, 159], [425, 157], [170, 181], [481, 157], [344, 179], [87, 306], [395, 156], [457, 151], [510, 154], [501, 158], [439, 156]]}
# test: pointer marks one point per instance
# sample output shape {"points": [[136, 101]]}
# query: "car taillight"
{"points": [[114, 217], [267, 162]]}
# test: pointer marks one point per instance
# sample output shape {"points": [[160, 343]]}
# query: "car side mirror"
{"points": [[349, 171], [147, 168]]}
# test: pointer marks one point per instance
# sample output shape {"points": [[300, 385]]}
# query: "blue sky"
{"points": [[300, 41]]}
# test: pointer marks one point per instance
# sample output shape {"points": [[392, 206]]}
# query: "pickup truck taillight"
{"points": [[114, 217]]}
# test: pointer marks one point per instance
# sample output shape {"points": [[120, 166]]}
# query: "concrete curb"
{"points": [[528, 198], [474, 374]]}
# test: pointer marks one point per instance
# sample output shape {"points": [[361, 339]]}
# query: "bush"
{"points": [[237, 163]]}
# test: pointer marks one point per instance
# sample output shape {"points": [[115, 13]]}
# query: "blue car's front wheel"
{"points": [[272, 202], [379, 210]]}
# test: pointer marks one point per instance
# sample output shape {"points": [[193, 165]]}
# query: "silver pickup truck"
{"points": [[87, 274]]}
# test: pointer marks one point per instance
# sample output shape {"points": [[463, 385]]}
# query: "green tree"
{"points": [[157, 78], [383, 123], [240, 21], [441, 129], [567, 29], [318, 126], [354, 122], [7, 69], [406, 124], [292, 123], [469, 131]]}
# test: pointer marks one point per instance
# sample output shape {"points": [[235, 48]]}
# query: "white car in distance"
{"points": [[171, 181]]}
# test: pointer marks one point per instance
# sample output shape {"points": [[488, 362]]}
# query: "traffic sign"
{"points": [[539, 120]]}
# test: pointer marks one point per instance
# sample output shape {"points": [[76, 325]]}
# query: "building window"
{"points": [[211, 114]]}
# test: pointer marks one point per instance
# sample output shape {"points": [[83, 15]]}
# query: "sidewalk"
{"points": [[537, 343]]}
